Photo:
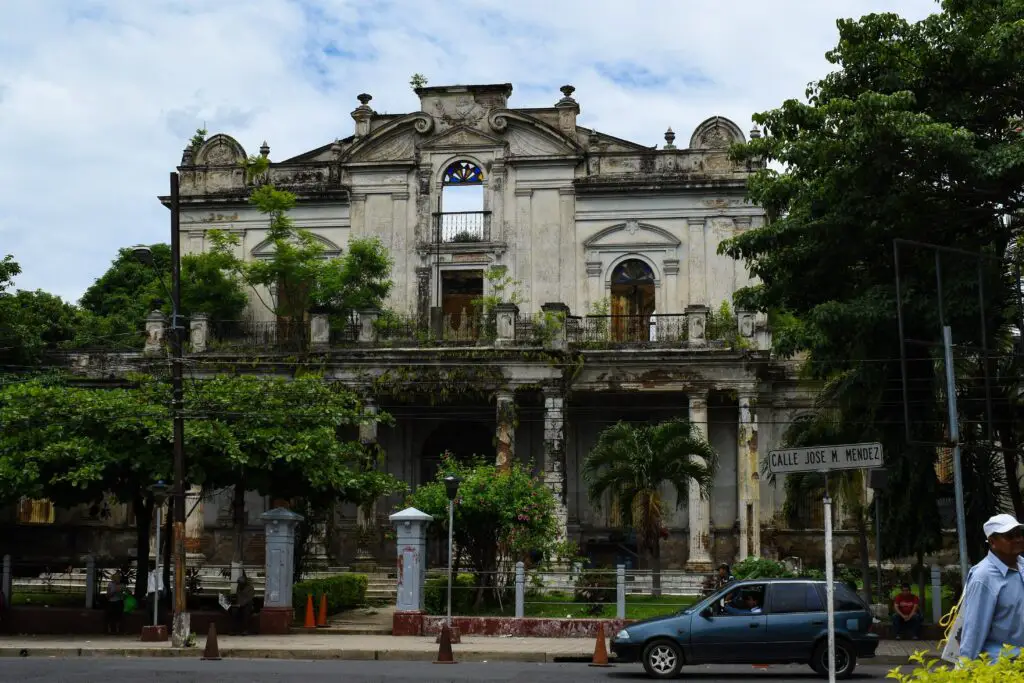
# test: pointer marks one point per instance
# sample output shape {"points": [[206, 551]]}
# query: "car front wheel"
{"points": [[846, 659], [662, 659]]}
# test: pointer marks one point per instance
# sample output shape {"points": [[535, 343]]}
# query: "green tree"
{"points": [[8, 269], [502, 516], [129, 290], [912, 136], [298, 277], [633, 463], [32, 323]]}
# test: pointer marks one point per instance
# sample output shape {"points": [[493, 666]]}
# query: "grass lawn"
{"points": [[48, 599], [558, 605]]}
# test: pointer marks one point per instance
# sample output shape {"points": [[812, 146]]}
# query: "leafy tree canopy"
{"points": [[914, 136]]}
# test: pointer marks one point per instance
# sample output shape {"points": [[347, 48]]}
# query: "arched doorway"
{"points": [[464, 439], [632, 300]]}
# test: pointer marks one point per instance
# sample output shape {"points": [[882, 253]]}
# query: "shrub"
{"points": [[435, 594], [595, 589], [760, 568], [344, 591], [1005, 670]]}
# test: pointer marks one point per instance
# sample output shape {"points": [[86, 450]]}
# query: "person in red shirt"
{"points": [[907, 614]]}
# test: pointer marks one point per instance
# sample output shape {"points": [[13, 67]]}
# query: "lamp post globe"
{"points": [[451, 486], [143, 254]]}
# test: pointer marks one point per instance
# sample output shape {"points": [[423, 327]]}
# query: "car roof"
{"points": [[776, 580]]}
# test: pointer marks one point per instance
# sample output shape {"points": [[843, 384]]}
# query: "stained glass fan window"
{"points": [[632, 272], [463, 173]]}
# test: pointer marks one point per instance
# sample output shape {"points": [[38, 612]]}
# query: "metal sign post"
{"points": [[825, 459]]}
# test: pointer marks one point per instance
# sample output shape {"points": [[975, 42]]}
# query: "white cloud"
{"points": [[98, 98]]}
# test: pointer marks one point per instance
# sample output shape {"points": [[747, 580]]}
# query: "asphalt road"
{"points": [[175, 670]]}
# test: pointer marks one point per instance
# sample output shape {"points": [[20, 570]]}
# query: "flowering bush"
{"points": [[506, 515], [1006, 669]]}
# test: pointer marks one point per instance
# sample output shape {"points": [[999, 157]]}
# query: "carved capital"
{"points": [[670, 266], [594, 268], [524, 191], [695, 222]]}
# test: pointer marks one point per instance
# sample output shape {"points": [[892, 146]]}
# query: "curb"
{"points": [[347, 655]]}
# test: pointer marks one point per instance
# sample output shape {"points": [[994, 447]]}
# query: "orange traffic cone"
{"points": [[212, 651], [600, 648], [321, 620], [310, 619], [444, 652]]}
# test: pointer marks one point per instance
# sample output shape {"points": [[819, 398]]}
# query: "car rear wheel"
{"points": [[662, 659], [846, 659]]}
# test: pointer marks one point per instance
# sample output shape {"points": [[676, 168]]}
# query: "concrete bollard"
{"points": [[620, 591], [936, 594], [90, 581], [520, 590]]}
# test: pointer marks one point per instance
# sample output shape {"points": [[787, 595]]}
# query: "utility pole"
{"points": [[954, 437], [182, 622]]}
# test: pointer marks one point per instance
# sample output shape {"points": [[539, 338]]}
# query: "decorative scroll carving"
{"points": [[498, 121], [422, 122]]}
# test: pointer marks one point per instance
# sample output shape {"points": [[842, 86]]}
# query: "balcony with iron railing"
{"points": [[462, 227], [502, 327]]}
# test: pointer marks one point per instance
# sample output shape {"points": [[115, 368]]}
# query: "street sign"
{"points": [[854, 456], [825, 459]]}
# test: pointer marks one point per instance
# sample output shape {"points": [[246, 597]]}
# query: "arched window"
{"points": [[462, 204], [632, 299]]}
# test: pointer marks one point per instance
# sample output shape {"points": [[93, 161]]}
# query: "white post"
{"points": [[451, 544], [936, 594], [520, 590], [830, 587], [620, 591], [954, 437], [90, 581], [156, 557]]}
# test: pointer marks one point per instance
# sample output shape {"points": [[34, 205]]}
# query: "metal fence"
{"points": [[553, 595], [464, 226], [667, 330], [280, 335]]}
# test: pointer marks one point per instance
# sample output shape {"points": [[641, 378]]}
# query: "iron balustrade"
{"points": [[463, 226]]}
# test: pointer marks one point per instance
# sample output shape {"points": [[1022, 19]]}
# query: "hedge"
{"points": [[1004, 670], [344, 591], [435, 594]]}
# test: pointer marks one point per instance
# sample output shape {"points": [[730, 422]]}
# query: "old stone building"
{"points": [[613, 247]]}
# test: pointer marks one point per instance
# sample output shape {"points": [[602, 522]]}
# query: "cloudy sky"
{"points": [[98, 97]]}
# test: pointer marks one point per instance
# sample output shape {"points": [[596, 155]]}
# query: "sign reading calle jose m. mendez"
{"points": [[852, 456]]}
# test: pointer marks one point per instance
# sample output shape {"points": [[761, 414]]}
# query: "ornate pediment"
{"points": [[526, 142], [265, 249], [462, 136], [632, 234], [401, 146]]}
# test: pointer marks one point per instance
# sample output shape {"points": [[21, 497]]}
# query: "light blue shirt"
{"points": [[993, 608]]}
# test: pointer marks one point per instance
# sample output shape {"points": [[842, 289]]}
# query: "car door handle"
{"points": [[818, 623], [753, 625]]}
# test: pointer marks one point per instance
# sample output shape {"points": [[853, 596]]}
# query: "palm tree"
{"points": [[633, 462]]}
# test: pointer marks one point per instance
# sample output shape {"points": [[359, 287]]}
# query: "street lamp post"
{"points": [[451, 486], [182, 623], [159, 491]]}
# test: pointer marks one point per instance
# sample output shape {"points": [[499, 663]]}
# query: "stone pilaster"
{"points": [[699, 507], [506, 429], [748, 478], [423, 297], [194, 520], [696, 263], [156, 328], [554, 455]]}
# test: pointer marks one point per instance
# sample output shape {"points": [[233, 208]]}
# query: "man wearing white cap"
{"points": [[993, 606]]}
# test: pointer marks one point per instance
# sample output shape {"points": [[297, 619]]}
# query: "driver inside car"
{"points": [[743, 604]]}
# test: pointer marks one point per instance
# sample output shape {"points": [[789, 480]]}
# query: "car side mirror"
{"points": [[707, 612]]}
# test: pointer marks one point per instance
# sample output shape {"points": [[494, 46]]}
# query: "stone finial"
{"points": [[568, 109], [670, 138], [264, 150], [567, 91], [362, 115], [755, 132], [186, 156], [364, 99]]}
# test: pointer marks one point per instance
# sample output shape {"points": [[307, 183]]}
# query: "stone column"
{"points": [[277, 613], [194, 526], [506, 429], [697, 324], [506, 315], [411, 539], [367, 329], [423, 297], [319, 331], [557, 314], [554, 456], [748, 478], [156, 325], [199, 332], [699, 507]]}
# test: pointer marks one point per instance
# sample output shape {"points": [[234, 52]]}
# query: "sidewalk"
{"points": [[359, 647]]}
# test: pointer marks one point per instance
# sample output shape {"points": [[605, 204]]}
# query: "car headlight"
{"points": [[622, 635]]}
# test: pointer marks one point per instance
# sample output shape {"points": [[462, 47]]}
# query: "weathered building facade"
{"points": [[612, 250]]}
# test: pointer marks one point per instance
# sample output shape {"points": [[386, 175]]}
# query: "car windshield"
{"points": [[710, 600]]}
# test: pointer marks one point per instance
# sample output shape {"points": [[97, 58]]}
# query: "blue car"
{"points": [[763, 621]]}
